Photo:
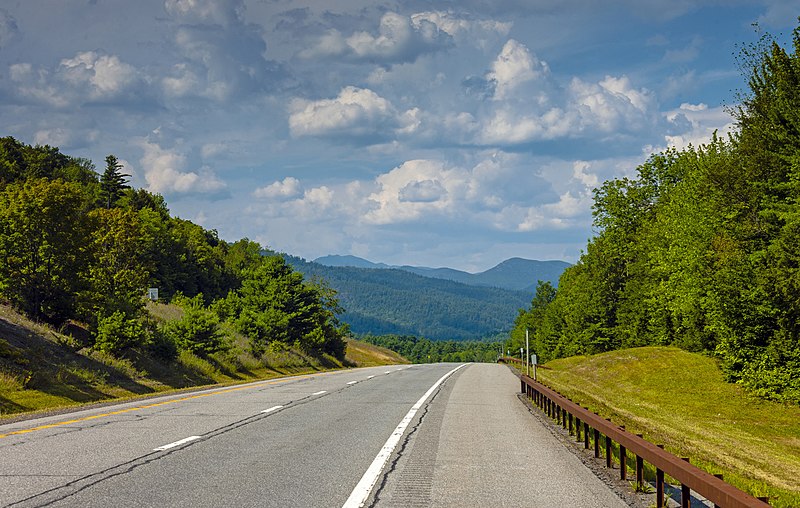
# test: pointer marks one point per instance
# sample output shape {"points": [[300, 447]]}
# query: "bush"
{"points": [[163, 346], [198, 330], [118, 332]]}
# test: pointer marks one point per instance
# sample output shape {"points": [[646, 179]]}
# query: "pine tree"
{"points": [[113, 182]]}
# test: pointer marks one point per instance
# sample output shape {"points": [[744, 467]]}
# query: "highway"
{"points": [[421, 435]]}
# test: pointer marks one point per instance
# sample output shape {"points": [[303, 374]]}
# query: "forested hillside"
{"points": [[80, 250], [701, 249], [392, 301], [515, 274]]}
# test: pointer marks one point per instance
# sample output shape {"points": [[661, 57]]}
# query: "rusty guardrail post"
{"points": [[596, 443], [585, 435], [659, 484], [623, 463]]}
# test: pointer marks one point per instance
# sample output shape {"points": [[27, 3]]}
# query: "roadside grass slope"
{"points": [[43, 369], [364, 354], [681, 400]]}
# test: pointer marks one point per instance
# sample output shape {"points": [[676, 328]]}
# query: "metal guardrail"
{"points": [[581, 421]]}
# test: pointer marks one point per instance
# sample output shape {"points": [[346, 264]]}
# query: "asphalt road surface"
{"points": [[422, 435]]}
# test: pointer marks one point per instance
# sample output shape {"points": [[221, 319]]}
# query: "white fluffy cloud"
{"points": [[515, 66], [87, 77], [399, 39], [612, 105], [288, 188], [701, 121], [355, 111], [434, 192], [461, 28], [164, 171], [105, 76]]}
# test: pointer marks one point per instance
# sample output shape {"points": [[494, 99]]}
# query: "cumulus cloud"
{"points": [[434, 191], [52, 137], [422, 191], [164, 171], [288, 188], [612, 104], [88, 77], [461, 28], [399, 39], [515, 66], [527, 104], [223, 57], [355, 111], [697, 124], [105, 76]]}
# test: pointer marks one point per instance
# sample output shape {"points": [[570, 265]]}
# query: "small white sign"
{"points": [[152, 294]]}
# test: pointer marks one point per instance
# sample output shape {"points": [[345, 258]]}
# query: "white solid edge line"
{"points": [[320, 392], [273, 408], [176, 443], [364, 487]]}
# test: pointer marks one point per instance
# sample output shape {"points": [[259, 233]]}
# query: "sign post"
{"points": [[527, 355]]}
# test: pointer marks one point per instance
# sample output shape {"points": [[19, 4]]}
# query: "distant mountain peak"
{"points": [[518, 274], [348, 260]]}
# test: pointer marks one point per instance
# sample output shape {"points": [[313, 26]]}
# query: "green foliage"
{"points": [[118, 333], [275, 305], [422, 350], [82, 249], [113, 182], [700, 249], [20, 162], [198, 330], [118, 271], [43, 238]]}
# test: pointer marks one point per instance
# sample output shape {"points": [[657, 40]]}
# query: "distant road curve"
{"points": [[305, 441]]}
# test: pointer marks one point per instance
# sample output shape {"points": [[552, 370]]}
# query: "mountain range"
{"points": [[516, 274], [380, 299]]}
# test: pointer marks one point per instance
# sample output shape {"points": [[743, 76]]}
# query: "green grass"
{"points": [[44, 369], [681, 400], [363, 354]]}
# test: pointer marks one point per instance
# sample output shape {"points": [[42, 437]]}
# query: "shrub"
{"points": [[118, 332], [198, 330]]}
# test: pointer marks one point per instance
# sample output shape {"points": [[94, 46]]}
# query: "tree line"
{"points": [[423, 350], [80, 246], [701, 249]]}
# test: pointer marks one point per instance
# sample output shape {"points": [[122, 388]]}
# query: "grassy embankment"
{"points": [[681, 400], [42, 369]]}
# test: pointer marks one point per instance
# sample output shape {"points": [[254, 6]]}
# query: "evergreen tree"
{"points": [[113, 182]]}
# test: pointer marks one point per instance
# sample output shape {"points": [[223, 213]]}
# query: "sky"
{"points": [[434, 133]]}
